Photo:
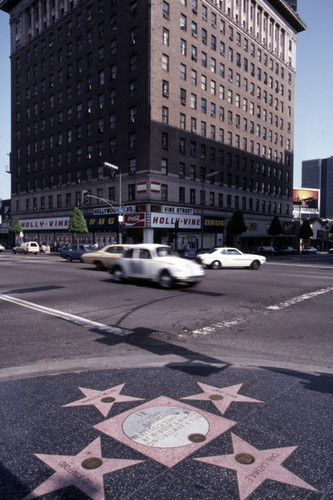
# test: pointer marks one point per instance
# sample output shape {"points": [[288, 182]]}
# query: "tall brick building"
{"points": [[193, 100]]}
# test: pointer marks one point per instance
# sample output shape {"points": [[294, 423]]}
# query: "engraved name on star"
{"points": [[222, 397], [84, 470], [102, 400], [254, 466]]}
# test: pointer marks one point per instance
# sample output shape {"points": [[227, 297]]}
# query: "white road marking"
{"points": [[296, 300], [68, 317], [237, 321], [218, 326]]}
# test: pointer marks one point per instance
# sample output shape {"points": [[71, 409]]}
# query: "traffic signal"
{"points": [[85, 197]]}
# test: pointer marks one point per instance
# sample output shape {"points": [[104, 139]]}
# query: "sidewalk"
{"points": [[181, 432]]}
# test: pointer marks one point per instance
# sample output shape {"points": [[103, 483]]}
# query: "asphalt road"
{"points": [[279, 316], [128, 391]]}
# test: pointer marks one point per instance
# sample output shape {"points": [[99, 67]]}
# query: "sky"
{"points": [[314, 89]]}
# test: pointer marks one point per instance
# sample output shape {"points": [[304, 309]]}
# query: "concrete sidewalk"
{"points": [[180, 432]]}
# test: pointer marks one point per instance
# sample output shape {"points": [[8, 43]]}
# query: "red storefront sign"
{"points": [[135, 220]]}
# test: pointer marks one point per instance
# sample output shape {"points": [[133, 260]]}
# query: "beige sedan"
{"points": [[104, 258]]}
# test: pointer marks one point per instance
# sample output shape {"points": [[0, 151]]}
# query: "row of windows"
{"points": [[214, 133], [232, 54], [279, 88], [267, 32], [220, 200], [41, 23]]}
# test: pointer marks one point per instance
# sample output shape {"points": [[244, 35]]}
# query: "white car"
{"points": [[27, 247], [158, 263], [309, 250], [230, 257], [2, 248]]}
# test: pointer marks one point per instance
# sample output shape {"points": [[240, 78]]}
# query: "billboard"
{"points": [[305, 201]]}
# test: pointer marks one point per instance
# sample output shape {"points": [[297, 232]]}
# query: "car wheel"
{"points": [[99, 266], [165, 280], [255, 264], [118, 274], [216, 264], [69, 258]]}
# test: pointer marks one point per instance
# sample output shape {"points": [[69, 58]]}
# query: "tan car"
{"points": [[106, 257]]}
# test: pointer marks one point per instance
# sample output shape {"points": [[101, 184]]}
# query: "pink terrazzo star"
{"points": [[85, 471], [222, 397], [102, 400], [259, 465], [165, 430]]}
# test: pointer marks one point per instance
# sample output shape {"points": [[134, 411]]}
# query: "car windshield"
{"points": [[164, 251], [212, 250]]}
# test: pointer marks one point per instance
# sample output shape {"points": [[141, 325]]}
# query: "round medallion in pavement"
{"points": [[244, 458], [197, 438], [92, 463], [165, 426], [215, 397], [108, 399]]}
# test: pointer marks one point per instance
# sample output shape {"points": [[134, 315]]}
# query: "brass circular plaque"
{"points": [[216, 397], [108, 399], [92, 463], [244, 458], [197, 438]]}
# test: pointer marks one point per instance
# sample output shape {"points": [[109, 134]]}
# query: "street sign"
{"points": [[120, 210]]}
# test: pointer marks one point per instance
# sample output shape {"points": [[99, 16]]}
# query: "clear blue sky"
{"points": [[314, 89]]}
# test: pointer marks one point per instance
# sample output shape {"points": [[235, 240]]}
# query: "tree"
{"points": [[15, 226], [305, 231], [235, 227], [275, 228], [77, 223]]}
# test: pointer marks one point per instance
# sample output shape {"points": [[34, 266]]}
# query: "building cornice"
{"points": [[8, 5], [289, 14]]}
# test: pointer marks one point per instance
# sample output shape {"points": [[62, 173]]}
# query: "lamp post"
{"points": [[120, 215], [203, 178]]}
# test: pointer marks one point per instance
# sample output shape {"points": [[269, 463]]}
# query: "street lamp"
{"points": [[120, 215], [203, 178]]}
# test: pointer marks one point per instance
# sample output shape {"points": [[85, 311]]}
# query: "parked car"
{"points": [[330, 250], [75, 252], [106, 257], [309, 250], [157, 263], [287, 251], [27, 247], [2, 248], [230, 257], [265, 250]]}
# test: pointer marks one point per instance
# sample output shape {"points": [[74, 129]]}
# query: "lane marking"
{"points": [[206, 330], [300, 298], [78, 320]]}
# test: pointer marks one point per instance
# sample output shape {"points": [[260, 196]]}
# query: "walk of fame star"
{"points": [[165, 430], [221, 397], [85, 471], [102, 400], [254, 466]]}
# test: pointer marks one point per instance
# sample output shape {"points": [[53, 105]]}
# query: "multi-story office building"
{"points": [[193, 100], [318, 174]]}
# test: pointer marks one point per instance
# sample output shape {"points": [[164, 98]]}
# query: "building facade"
{"points": [[193, 100], [318, 174]]}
